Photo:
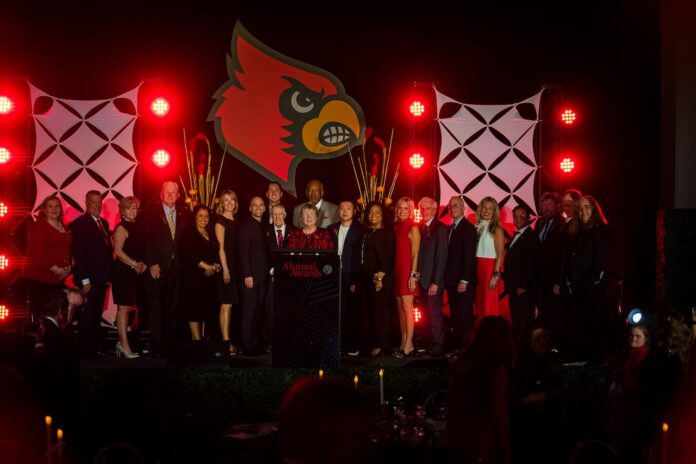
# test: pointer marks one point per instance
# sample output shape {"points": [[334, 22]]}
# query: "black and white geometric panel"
{"points": [[488, 150], [84, 145]]}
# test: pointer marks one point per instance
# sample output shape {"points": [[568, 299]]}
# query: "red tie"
{"points": [[101, 227], [280, 238]]}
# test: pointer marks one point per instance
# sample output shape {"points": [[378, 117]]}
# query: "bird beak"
{"points": [[333, 129]]}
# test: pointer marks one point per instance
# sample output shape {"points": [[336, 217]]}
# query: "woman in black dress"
{"points": [[376, 281], [226, 234], [128, 266], [199, 264]]}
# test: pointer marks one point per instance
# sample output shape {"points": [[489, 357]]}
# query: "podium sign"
{"points": [[306, 308]]}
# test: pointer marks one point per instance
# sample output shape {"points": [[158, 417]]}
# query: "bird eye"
{"points": [[300, 102]]}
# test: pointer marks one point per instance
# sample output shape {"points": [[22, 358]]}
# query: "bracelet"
{"points": [[376, 279], [496, 274], [133, 264], [416, 275]]}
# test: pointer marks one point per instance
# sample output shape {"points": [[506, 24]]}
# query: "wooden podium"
{"points": [[306, 308]]}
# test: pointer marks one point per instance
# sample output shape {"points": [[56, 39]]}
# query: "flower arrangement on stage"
{"points": [[202, 188], [372, 180]]}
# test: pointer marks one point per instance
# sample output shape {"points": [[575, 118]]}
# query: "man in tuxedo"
{"points": [[92, 257], [548, 228], [346, 235], [274, 195], [253, 256], [164, 226], [460, 272], [328, 212], [432, 259], [520, 273]]}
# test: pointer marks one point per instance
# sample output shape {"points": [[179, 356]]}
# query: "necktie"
{"points": [[454, 226], [170, 221], [544, 230], [280, 238], [103, 231]]}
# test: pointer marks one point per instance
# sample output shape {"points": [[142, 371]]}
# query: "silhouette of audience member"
{"points": [[20, 420], [478, 390], [324, 421], [593, 452]]}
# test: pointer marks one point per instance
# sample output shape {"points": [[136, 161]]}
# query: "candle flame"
{"points": [[48, 420]]}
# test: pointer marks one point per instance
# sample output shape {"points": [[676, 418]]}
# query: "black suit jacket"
{"points": [[350, 255], [461, 254], [432, 256], [252, 250], [91, 250], [520, 265], [550, 252], [271, 236], [160, 247]]}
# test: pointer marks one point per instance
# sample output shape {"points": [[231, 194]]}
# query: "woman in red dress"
{"points": [[406, 273], [48, 253]]}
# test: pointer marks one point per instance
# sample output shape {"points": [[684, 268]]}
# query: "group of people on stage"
{"points": [[197, 267]]}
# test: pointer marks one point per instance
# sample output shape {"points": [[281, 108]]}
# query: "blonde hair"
{"points": [[411, 207], [44, 205], [495, 220], [221, 205], [126, 202]]}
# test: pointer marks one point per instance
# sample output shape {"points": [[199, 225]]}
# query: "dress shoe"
{"points": [[353, 353], [376, 352], [121, 352]]}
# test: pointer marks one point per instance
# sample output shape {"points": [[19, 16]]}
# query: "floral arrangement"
{"points": [[202, 188], [372, 180]]}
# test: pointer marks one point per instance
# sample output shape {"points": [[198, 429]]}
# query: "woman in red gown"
{"points": [[406, 273]]}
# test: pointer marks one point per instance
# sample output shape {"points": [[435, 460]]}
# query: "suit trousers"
{"points": [[90, 319], [521, 312], [253, 303], [162, 310], [462, 313], [433, 304]]}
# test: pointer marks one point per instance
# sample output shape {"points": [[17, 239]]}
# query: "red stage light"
{"points": [[4, 262], [567, 165], [417, 108], [416, 161], [3, 210], [568, 117], [6, 105], [4, 155], [417, 216], [161, 158], [417, 316], [160, 107], [4, 312]]}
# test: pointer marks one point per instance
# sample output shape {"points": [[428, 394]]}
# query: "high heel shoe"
{"points": [[121, 352]]}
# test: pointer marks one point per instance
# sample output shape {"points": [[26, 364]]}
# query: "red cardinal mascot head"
{"points": [[274, 111]]}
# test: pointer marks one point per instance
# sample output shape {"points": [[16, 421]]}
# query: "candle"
{"points": [[665, 429], [321, 374], [49, 451], [381, 387], [59, 435], [355, 382]]}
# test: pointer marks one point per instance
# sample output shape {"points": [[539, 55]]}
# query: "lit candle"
{"points": [[49, 451], [321, 374], [59, 435], [381, 387], [665, 429], [355, 382]]}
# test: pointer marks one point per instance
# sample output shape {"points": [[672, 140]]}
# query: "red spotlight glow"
{"points": [[161, 158], [417, 316], [417, 216], [4, 155], [567, 165], [416, 161], [417, 108], [4, 262], [4, 312], [6, 105], [568, 117], [160, 107], [3, 210]]}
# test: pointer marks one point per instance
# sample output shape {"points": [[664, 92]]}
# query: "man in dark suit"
{"points": [[253, 256], [460, 272], [520, 273], [92, 256], [432, 259], [164, 225], [274, 194], [346, 235], [328, 212], [548, 228]]}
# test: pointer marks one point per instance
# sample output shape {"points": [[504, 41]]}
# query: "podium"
{"points": [[306, 308]]}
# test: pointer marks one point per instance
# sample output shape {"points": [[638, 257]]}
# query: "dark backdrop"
{"points": [[603, 59]]}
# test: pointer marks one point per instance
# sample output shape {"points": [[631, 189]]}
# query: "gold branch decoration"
{"points": [[372, 180], [202, 187]]}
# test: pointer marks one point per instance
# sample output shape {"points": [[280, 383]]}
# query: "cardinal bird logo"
{"points": [[274, 111]]}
